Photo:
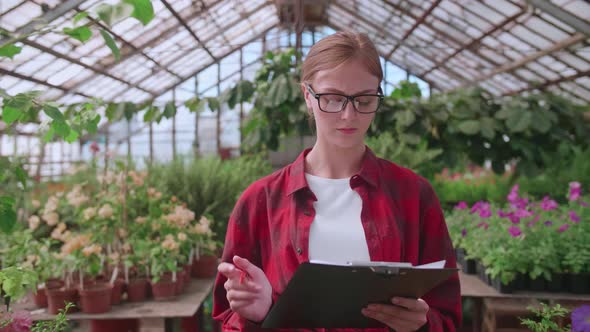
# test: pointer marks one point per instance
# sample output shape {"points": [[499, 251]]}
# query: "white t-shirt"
{"points": [[336, 233]]}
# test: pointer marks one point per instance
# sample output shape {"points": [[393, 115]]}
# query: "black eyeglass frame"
{"points": [[348, 98]]}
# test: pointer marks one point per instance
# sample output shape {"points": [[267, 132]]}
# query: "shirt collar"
{"points": [[296, 181]]}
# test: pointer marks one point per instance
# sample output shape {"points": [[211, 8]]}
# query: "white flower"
{"points": [[201, 229], [106, 211], [89, 213], [204, 221], [36, 204], [51, 204], [34, 222], [182, 236]]}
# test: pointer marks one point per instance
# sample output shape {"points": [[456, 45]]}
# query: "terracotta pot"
{"points": [[187, 274], [96, 299], [137, 290], [57, 298], [205, 266], [180, 282], [164, 289], [40, 298], [118, 289]]}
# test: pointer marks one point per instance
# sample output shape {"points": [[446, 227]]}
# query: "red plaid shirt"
{"points": [[401, 216]]}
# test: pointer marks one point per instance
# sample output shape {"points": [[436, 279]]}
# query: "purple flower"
{"points": [[563, 228], [548, 204], [522, 213], [574, 217], [461, 206], [503, 214], [548, 223], [575, 191], [464, 232], [483, 224], [485, 213], [476, 207], [514, 219], [514, 231], [581, 319]]}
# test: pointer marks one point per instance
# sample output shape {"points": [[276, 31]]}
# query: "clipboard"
{"points": [[332, 296]]}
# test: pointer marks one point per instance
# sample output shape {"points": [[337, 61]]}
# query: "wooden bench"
{"points": [[502, 314]]}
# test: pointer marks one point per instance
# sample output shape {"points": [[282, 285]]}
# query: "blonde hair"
{"points": [[338, 48]]}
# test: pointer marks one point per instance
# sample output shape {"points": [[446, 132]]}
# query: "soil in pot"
{"points": [[96, 299]]}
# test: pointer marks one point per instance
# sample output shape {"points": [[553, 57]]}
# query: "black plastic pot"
{"points": [[502, 288], [579, 283], [538, 285], [460, 255], [481, 273], [557, 283]]}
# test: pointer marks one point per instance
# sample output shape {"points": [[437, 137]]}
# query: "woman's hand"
{"points": [[404, 316], [248, 290]]}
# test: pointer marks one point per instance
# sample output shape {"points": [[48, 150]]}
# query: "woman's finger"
{"points": [[237, 305], [399, 325], [246, 284], [229, 270], [240, 295]]}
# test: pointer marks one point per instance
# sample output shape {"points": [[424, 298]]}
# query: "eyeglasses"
{"points": [[336, 102]]}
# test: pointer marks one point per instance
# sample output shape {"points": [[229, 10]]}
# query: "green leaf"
{"points": [[405, 118], [169, 110], [10, 114], [111, 14], [111, 44], [488, 126], [7, 218], [503, 114], [469, 127], [142, 10], [82, 33], [16, 107], [10, 50], [150, 114], [72, 136], [49, 135], [542, 121], [129, 110], [80, 16], [519, 121], [21, 175], [53, 112], [213, 104], [61, 128]]}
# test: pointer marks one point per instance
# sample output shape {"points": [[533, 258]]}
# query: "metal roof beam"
{"points": [[190, 31], [414, 27], [80, 63], [34, 80], [576, 38], [566, 17], [44, 19], [475, 43], [552, 82]]}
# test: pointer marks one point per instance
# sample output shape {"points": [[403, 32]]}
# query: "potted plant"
{"points": [[206, 250], [94, 297], [136, 269], [164, 268]]}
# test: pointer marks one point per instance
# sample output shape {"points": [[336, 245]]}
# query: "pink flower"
{"points": [[563, 228], [548, 204], [461, 206], [514, 231], [574, 217], [94, 148], [514, 219], [485, 213], [575, 191], [483, 224], [503, 214], [464, 232], [522, 213], [20, 321]]}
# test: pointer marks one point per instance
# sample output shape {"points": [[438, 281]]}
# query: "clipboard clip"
{"points": [[385, 270]]}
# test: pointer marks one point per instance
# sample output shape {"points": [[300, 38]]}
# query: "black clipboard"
{"points": [[332, 296]]}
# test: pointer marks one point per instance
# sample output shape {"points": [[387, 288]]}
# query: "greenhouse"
{"points": [[223, 165]]}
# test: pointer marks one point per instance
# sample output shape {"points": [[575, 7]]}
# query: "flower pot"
{"points": [[57, 298], [179, 282], [538, 285], [556, 284], [40, 298], [96, 299], [137, 290], [205, 266], [579, 283], [521, 283], [469, 266], [504, 288], [164, 289], [481, 272], [187, 274], [460, 255], [118, 288]]}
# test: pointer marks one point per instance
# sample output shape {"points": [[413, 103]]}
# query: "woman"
{"points": [[337, 202]]}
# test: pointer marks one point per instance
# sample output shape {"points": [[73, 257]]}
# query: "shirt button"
{"points": [[307, 213], [299, 251]]}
